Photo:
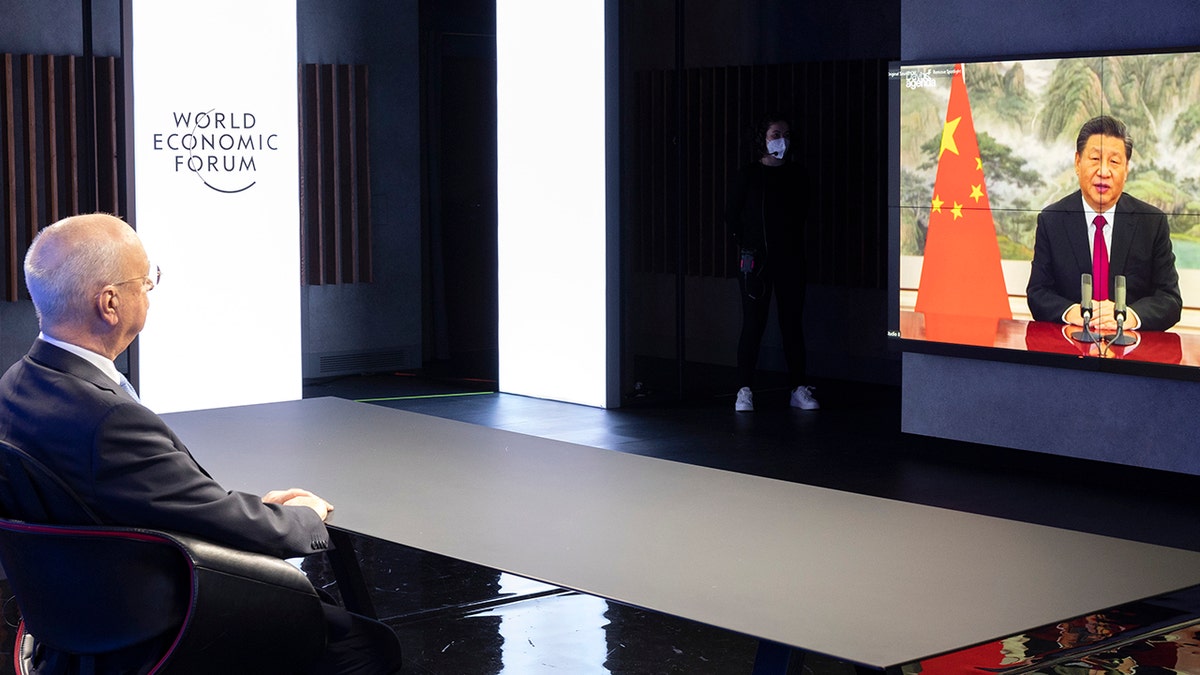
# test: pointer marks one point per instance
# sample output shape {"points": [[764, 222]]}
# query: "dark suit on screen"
{"points": [[128, 467], [1140, 250]]}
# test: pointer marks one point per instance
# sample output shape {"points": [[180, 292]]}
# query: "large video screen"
{"points": [[1049, 205]]}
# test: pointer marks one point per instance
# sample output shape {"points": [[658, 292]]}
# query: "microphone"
{"points": [[1119, 312], [1085, 309], [1085, 297], [1119, 299]]}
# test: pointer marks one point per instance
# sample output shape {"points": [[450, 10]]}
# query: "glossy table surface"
{"points": [[1165, 347], [870, 580]]}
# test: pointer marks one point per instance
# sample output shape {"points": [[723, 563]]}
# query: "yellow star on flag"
{"points": [[962, 289], [948, 137]]}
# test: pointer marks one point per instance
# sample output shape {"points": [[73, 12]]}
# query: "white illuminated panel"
{"points": [[552, 213], [217, 201]]}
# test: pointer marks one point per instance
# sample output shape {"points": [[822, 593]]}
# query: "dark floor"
{"points": [[458, 618], [455, 618]]}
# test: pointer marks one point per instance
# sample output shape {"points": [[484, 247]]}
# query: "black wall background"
{"points": [[681, 333], [433, 154], [432, 176]]}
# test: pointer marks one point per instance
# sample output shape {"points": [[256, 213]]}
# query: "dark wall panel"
{"points": [[838, 110], [42, 173], [951, 29], [335, 205]]}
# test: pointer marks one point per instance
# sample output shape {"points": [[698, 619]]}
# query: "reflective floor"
{"points": [[454, 618]]}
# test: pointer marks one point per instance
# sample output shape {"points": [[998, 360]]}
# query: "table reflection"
{"points": [[1164, 347], [1161, 632]]}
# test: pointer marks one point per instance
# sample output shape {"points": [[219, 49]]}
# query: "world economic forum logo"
{"points": [[225, 150]]}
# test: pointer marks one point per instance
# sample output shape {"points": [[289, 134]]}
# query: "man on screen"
{"points": [[1100, 231]]}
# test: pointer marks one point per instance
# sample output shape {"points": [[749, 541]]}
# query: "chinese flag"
{"points": [[961, 280]]}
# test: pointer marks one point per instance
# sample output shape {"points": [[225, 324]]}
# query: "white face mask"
{"points": [[777, 148]]}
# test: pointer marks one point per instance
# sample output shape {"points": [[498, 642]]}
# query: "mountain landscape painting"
{"points": [[1027, 115]]}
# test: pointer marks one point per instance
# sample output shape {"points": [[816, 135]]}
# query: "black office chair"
{"points": [[188, 605]]}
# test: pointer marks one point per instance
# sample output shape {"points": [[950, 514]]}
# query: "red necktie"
{"points": [[1099, 261]]}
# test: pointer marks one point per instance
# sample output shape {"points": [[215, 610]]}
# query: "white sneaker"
{"points": [[745, 400], [802, 398]]}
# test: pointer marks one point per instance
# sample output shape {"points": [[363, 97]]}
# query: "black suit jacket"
{"points": [[126, 465], [1140, 250]]}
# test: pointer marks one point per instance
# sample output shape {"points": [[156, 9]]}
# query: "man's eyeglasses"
{"points": [[152, 279]]}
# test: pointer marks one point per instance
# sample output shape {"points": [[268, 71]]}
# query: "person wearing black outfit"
{"points": [[765, 212]]}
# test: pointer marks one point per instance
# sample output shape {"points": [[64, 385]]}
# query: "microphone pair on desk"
{"points": [[1119, 312]]}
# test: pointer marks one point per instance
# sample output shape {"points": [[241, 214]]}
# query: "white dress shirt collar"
{"points": [[99, 360], [1110, 217]]}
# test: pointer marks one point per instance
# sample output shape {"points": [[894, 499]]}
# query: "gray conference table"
{"points": [[868, 580]]}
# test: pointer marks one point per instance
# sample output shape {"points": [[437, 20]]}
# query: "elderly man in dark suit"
{"points": [[66, 404], [1098, 230]]}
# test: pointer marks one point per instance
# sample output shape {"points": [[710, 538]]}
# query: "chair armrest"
{"points": [[264, 568], [250, 613]]}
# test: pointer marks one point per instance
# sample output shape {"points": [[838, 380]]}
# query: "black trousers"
{"points": [[357, 645], [787, 287]]}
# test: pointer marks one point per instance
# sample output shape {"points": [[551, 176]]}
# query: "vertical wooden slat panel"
{"points": [[301, 156], [362, 176], [310, 179], [354, 248], [722, 163], [691, 148], [638, 189], [317, 172], [652, 173], [659, 176], [107, 140], [337, 169], [343, 189], [713, 226], [41, 112], [51, 132], [817, 79], [327, 257], [326, 157], [838, 208], [8, 174], [32, 213], [72, 134], [832, 158], [811, 108], [672, 177], [350, 153], [690, 137], [335, 203], [704, 177]]}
